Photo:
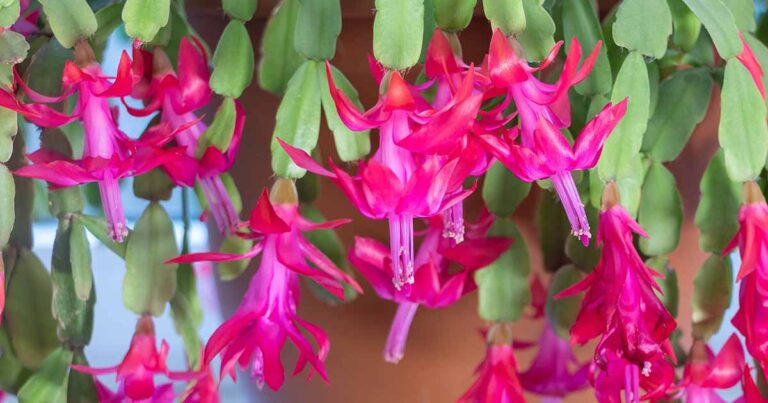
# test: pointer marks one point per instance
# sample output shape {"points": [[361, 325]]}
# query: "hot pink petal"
{"points": [[193, 77], [264, 219], [123, 83], [590, 142], [505, 66], [304, 160], [348, 112]]}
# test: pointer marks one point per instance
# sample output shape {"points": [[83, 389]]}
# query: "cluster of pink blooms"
{"points": [[428, 149]]}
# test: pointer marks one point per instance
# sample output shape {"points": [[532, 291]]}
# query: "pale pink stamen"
{"points": [[453, 224], [109, 189], [398, 332], [219, 204], [574, 208], [631, 384], [401, 249]]}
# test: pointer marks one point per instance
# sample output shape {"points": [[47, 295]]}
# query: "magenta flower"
{"points": [[435, 286], [140, 366], [178, 95], [705, 372], [497, 380], [255, 334], [549, 375], [203, 390], [397, 184], [534, 99], [551, 157], [454, 81], [751, 320], [378, 192], [544, 107], [622, 308], [108, 154]]}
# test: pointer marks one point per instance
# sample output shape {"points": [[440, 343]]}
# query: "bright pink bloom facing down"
{"points": [[255, 334], [396, 183], [550, 374], [705, 373], [622, 308], [434, 286], [551, 157], [497, 380], [752, 317], [136, 374]]}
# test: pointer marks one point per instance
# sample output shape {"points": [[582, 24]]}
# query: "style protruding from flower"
{"points": [[436, 285], [136, 374], [497, 379], [255, 334], [622, 308]]}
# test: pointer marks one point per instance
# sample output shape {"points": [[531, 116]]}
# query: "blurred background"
{"points": [[444, 346]]}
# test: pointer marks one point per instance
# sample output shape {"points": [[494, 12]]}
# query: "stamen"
{"points": [[394, 350], [453, 224], [574, 208], [401, 249], [109, 189], [219, 204]]}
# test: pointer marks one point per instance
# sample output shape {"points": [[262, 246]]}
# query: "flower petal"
{"points": [[348, 112], [505, 66], [264, 219], [590, 142]]}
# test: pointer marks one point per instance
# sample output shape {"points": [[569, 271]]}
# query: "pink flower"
{"points": [[454, 81], [543, 110], [178, 95], [378, 192], [203, 390], [108, 154], [622, 308], [396, 183], [751, 320], [549, 374], [551, 157], [255, 334], [705, 372], [534, 99], [140, 366], [497, 380], [435, 286]]}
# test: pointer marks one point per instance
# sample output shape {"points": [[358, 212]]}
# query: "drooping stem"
{"points": [[398, 332]]}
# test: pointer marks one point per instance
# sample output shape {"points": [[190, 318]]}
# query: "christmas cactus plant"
{"points": [[571, 121]]}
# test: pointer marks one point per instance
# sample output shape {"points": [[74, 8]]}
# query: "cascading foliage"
{"points": [[586, 101]]}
